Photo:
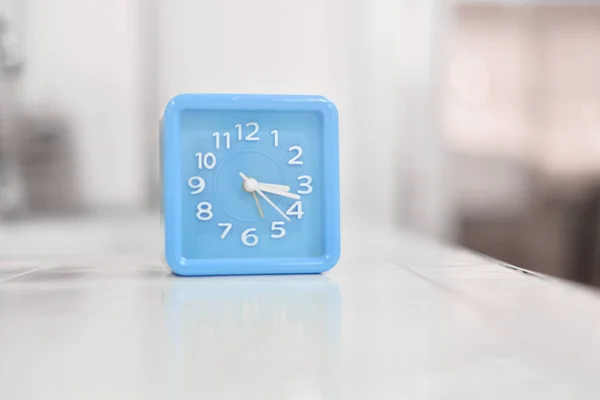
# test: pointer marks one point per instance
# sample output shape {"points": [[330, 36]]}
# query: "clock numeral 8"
{"points": [[204, 211]]}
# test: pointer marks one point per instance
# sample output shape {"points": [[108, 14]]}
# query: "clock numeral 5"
{"points": [[278, 226], [295, 209]]}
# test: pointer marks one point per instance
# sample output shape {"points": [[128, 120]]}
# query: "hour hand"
{"points": [[266, 187]]}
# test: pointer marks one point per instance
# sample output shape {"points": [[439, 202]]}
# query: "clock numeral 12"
{"points": [[249, 137]]}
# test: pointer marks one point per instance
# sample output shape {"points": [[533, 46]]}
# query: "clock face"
{"points": [[251, 185]]}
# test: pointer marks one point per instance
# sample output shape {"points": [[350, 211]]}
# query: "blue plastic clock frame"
{"points": [[172, 181]]}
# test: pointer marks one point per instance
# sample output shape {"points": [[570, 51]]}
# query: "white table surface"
{"points": [[87, 311]]}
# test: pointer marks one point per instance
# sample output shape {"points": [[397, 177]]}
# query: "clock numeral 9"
{"points": [[294, 160], [248, 238], [208, 161], [306, 185], [196, 183], [204, 211], [295, 209]]}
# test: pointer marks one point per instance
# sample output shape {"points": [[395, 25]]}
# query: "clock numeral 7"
{"points": [[227, 226]]}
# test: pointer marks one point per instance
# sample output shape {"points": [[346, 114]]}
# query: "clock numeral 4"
{"points": [[196, 183], [277, 226], [306, 185], [295, 209], [204, 211], [248, 238], [251, 136], [227, 226], [295, 160], [207, 160]]}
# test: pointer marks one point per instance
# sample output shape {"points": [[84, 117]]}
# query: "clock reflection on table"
{"points": [[241, 335]]}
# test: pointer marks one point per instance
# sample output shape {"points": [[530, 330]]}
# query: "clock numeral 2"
{"points": [[295, 160]]}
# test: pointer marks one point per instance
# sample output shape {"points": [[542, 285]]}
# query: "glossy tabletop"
{"points": [[88, 311]]}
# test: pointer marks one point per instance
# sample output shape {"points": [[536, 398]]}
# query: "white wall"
{"points": [[262, 46], [83, 57]]}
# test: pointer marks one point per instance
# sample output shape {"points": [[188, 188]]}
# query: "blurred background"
{"points": [[473, 122]]}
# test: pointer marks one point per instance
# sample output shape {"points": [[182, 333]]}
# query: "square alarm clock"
{"points": [[250, 184]]}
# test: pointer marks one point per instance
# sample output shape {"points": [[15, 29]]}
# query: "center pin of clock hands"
{"points": [[251, 185]]}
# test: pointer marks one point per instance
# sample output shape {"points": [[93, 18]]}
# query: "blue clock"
{"points": [[250, 184]]}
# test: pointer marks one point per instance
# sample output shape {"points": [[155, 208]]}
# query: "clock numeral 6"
{"points": [[295, 209], [294, 160], [249, 238], [306, 185], [196, 183], [204, 211], [208, 161], [277, 226]]}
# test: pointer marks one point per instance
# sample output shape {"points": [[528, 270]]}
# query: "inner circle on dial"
{"points": [[229, 189]]}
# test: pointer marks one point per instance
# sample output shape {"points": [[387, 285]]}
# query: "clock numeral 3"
{"points": [[306, 185], [204, 211], [249, 238], [278, 226], [208, 161], [295, 209], [294, 160], [196, 183]]}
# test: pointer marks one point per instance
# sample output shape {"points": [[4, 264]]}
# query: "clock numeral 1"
{"points": [[295, 209], [278, 226], [208, 161], [196, 183], [248, 238], [204, 211], [275, 134], [227, 226]]}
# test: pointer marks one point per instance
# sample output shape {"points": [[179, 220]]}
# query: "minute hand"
{"points": [[261, 194], [269, 189]]}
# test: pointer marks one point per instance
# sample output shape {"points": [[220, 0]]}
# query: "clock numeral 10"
{"points": [[207, 161]]}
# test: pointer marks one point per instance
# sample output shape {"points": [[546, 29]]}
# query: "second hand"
{"points": [[258, 205]]}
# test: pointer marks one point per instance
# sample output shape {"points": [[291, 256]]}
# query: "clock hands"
{"points": [[267, 187], [251, 185]]}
